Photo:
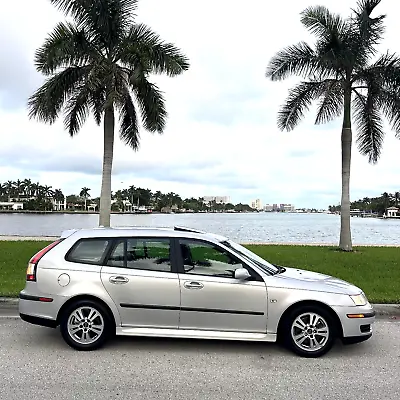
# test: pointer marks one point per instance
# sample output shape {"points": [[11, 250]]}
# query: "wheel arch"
{"points": [[304, 303], [86, 297]]}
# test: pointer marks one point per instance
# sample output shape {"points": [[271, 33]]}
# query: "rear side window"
{"points": [[88, 251]]}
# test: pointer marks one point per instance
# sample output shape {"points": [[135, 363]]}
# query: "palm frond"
{"points": [[129, 131], [366, 32], [370, 29], [97, 101], [323, 23], [107, 20], [331, 103], [144, 45], [152, 106], [370, 132], [46, 103], [299, 59], [65, 46], [299, 100], [77, 109], [389, 104], [384, 72]]}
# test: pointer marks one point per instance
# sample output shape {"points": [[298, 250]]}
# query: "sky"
{"points": [[221, 136]]}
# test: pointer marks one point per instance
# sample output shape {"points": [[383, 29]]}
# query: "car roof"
{"points": [[176, 231]]}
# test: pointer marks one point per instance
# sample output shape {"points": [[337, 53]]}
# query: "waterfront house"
{"points": [[392, 212]]}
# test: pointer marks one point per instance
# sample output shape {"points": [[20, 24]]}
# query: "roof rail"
{"points": [[184, 229]]}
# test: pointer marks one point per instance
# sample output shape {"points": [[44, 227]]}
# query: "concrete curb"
{"points": [[387, 310]]}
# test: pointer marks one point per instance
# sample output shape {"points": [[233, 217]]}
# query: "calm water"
{"points": [[258, 227]]}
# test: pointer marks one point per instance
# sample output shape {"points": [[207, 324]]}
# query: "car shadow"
{"points": [[47, 337]]}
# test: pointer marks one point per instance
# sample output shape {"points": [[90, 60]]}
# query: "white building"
{"points": [[256, 204], [391, 212], [217, 199], [10, 205], [269, 207], [59, 205], [287, 208]]}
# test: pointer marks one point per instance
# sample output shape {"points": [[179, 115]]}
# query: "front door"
{"points": [[211, 298], [141, 279]]}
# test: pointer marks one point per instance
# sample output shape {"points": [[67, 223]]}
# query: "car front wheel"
{"points": [[309, 331], [85, 325]]}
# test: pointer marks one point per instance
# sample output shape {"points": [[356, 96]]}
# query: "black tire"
{"points": [[327, 343], [103, 319]]}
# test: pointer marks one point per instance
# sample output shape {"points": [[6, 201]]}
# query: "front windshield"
{"points": [[260, 262]]}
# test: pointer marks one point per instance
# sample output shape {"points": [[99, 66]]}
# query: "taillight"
{"points": [[31, 270]]}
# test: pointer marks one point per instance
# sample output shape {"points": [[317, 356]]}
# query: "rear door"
{"points": [[142, 279]]}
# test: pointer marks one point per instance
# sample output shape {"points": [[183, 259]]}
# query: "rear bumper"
{"points": [[49, 323], [39, 306]]}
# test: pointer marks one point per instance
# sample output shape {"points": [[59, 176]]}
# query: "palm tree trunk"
{"points": [[105, 196], [345, 242]]}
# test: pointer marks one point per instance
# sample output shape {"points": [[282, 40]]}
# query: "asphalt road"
{"points": [[36, 364]]}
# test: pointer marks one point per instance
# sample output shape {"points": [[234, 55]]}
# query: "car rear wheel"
{"points": [[85, 325], [309, 331]]}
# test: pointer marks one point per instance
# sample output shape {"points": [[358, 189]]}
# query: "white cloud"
{"points": [[221, 136]]}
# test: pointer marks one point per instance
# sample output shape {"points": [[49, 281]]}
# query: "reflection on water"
{"points": [[254, 227]]}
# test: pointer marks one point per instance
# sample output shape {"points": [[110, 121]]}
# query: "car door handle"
{"points": [[193, 285], [119, 279]]}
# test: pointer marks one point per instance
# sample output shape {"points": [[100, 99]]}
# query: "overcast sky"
{"points": [[221, 137]]}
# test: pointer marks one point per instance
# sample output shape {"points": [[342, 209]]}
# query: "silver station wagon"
{"points": [[184, 283]]}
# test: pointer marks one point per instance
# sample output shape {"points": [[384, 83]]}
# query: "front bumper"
{"points": [[357, 322]]}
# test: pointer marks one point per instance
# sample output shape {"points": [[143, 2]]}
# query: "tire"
{"points": [[91, 330], [322, 321]]}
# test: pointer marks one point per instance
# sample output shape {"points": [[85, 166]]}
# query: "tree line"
{"points": [[41, 197], [377, 204]]}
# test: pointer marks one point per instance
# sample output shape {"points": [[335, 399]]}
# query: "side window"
{"points": [[117, 256], [88, 251], [150, 254], [202, 258]]}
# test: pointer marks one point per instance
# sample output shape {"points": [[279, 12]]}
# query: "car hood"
{"points": [[294, 278]]}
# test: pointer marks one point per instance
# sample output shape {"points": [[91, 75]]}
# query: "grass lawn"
{"points": [[376, 270]]}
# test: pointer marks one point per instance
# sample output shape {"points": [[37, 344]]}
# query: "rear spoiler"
{"points": [[68, 233]]}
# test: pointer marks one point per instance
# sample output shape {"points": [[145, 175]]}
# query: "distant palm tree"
{"points": [[85, 194], [96, 63], [339, 74], [58, 195], [47, 191], [27, 184], [9, 187], [397, 198]]}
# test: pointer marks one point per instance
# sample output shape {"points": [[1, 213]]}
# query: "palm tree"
{"points": [[27, 183], [340, 76], [397, 198], [85, 194], [96, 63]]}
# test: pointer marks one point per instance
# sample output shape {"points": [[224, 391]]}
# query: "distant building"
{"points": [[268, 208], [287, 208], [10, 205], [256, 204], [391, 212], [217, 199], [59, 205]]}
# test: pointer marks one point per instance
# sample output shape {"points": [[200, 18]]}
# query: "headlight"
{"points": [[359, 299]]}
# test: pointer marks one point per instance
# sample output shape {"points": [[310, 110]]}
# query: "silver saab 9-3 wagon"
{"points": [[185, 283]]}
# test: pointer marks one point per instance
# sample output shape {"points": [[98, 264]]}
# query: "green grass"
{"points": [[14, 258], [376, 270]]}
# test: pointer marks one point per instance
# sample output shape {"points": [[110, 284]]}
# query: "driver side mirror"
{"points": [[242, 274]]}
